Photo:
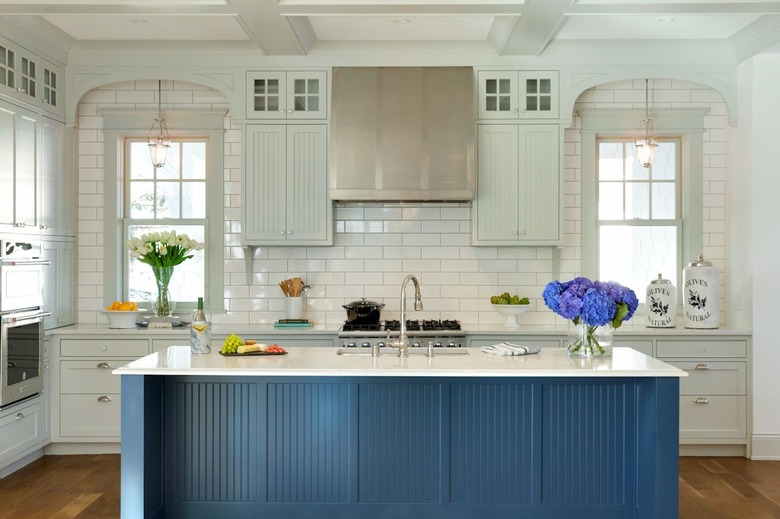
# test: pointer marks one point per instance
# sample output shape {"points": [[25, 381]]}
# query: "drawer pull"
{"points": [[106, 365], [19, 416], [702, 367], [702, 400], [104, 398], [103, 347]]}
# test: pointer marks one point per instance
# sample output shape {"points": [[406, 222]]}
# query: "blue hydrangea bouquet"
{"points": [[590, 305]]}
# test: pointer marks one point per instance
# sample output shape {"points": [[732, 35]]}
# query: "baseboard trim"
{"points": [[713, 450], [765, 447], [83, 448]]}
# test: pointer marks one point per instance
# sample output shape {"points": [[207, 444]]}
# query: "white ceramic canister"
{"points": [[661, 304], [701, 293]]}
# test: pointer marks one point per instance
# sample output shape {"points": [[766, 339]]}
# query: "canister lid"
{"points": [[700, 262], [660, 280]]}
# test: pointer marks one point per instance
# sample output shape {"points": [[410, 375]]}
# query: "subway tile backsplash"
{"points": [[375, 244]]}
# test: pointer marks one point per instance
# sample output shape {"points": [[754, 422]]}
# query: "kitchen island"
{"points": [[313, 434]]}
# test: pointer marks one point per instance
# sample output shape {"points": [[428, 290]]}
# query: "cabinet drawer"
{"points": [[96, 415], [713, 378], [20, 429], [721, 417], [701, 348], [544, 343], [161, 344], [645, 347], [91, 376], [104, 347]]}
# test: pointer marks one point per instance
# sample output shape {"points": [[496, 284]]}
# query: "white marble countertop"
{"points": [[316, 362]]}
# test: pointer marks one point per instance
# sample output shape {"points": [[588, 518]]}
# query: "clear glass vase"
{"points": [[163, 306], [590, 341]]}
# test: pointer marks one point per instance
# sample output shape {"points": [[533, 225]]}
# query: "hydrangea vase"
{"points": [[590, 341], [163, 307]]}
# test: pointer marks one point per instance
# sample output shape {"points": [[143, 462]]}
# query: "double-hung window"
{"points": [[639, 223], [158, 200]]}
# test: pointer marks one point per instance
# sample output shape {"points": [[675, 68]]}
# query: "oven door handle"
{"points": [[24, 262], [36, 317]]}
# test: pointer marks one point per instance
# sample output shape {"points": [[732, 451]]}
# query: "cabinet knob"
{"points": [[522, 233], [515, 232], [702, 400], [45, 101], [702, 349], [19, 416], [289, 233], [290, 110], [104, 365], [104, 398], [702, 367], [281, 110], [21, 90], [103, 347]]}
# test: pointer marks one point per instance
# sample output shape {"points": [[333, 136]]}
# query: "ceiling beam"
{"points": [[398, 9], [265, 25], [115, 9], [664, 9], [539, 23]]}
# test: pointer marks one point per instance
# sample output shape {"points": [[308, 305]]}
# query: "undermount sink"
{"points": [[392, 352]]}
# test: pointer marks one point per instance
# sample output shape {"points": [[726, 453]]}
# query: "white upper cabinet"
{"points": [[285, 196], [26, 77], [19, 136], [512, 94], [287, 95], [56, 185], [518, 185], [52, 89]]}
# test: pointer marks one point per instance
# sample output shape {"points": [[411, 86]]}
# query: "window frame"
{"points": [[685, 124], [121, 124]]}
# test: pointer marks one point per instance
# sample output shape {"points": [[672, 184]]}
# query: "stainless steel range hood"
{"points": [[402, 134]]}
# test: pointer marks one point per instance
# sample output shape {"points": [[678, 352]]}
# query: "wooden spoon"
{"points": [[297, 284]]}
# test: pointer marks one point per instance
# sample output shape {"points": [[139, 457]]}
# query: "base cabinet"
{"points": [[21, 428]]}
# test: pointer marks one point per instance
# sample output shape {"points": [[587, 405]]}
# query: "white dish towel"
{"points": [[506, 349]]}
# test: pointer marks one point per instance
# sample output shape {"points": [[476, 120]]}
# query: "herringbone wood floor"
{"points": [[87, 487]]}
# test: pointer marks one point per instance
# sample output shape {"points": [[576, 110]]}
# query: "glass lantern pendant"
{"points": [[647, 144], [159, 144]]}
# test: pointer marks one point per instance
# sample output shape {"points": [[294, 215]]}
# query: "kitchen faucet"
{"points": [[402, 343]]}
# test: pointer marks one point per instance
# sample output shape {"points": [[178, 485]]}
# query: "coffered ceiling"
{"points": [[499, 27]]}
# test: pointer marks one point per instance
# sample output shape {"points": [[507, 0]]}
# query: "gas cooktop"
{"points": [[426, 327]]}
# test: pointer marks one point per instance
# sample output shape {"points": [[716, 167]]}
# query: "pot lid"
{"points": [[660, 280], [700, 262], [363, 304]]}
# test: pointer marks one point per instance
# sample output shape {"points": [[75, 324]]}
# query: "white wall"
{"points": [[377, 244], [761, 127]]}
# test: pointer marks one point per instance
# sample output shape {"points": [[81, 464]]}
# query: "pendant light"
{"points": [[159, 143], [647, 144]]}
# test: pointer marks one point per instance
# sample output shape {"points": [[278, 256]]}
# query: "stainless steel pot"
{"points": [[363, 312]]}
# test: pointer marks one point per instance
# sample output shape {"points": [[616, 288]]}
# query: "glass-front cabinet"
{"points": [[287, 95], [512, 94]]}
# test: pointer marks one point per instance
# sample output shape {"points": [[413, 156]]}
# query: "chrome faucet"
{"points": [[402, 343]]}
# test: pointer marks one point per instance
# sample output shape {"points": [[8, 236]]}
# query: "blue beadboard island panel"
{"points": [[329, 447]]}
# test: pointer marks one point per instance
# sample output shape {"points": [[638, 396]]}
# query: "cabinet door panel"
{"points": [[265, 193], [539, 183], [717, 417], [94, 415], [7, 153], [26, 166], [498, 95], [265, 96], [306, 95], [497, 189], [20, 429], [307, 183]]}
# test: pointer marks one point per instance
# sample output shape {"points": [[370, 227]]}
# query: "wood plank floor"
{"points": [[87, 487]]}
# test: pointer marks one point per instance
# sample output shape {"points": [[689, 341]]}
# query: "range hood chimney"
{"points": [[402, 134]]}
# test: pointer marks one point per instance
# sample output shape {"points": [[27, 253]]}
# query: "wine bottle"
{"points": [[200, 334]]}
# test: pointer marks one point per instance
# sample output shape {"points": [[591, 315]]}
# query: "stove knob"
{"points": [[452, 344], [365, 345], [351, 345], [416, 344], [437, 344], [380, 344]]}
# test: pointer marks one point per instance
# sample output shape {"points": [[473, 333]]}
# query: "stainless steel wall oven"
{"points": [[21, 318]]}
